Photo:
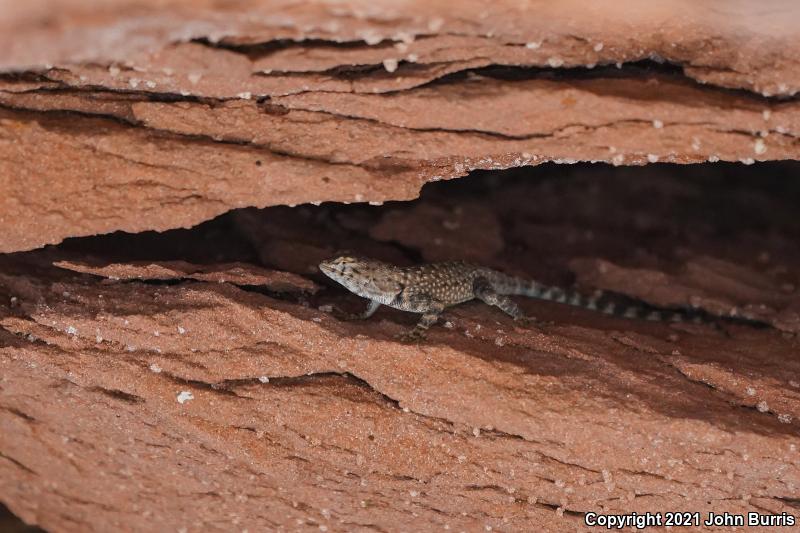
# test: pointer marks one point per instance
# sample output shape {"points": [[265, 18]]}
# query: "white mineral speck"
{"points": [[371, 37], [498, 341], [534, 45], [390, 64], [766, 114], [327, 308], [412, 58], [784, 418], [762, 407], [555, 62], [71, 330], [713, 158], [750, 391], [98, 338], [181, 330], [150, 84], [795, 384], [264, 379], [598, 47], [435, 24], [134, 82], [748, 161], [413, 493], [657, 124], [653, 158], [405, 37], [194, 77], [476, 432], [759, 146], [156, 333], [156, 369], [246, 95], [184, 396], [114, 71]]}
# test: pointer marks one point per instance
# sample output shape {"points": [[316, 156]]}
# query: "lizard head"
{"points": [[365, 277]]}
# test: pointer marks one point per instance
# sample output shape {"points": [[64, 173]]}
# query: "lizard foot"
{"points": [[414, 335], [344, 316], [349, 317], [525, 321]]}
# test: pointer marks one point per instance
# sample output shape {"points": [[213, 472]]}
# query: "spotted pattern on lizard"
{"points": [[430, 288]]}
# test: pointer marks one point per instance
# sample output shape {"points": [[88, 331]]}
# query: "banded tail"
{"points": [[602, 302]]}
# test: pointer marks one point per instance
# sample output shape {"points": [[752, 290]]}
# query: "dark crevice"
{"points": [[18, 413], [609, 69], [126, 397], [9, 523], [17, 463]]}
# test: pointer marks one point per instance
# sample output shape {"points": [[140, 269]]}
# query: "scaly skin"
{"points": [[430, 288]]}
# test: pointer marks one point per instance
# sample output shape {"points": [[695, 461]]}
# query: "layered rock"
{"points": [[140, 117], [157, 394], [203, 379]]}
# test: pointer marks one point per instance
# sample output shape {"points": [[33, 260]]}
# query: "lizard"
{"points": [[430, 288]]}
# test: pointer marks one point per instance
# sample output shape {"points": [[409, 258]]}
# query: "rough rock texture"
{"points": [[163, 400], [203, 379], [147, 114]]}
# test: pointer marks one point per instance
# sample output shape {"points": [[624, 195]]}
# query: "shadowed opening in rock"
{"points": [[232, 321]]}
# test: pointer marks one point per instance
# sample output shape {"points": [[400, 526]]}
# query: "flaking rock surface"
{"points": [[145, 114], [202, 380]]}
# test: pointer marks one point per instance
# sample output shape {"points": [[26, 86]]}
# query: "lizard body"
{"points": [[429, 289]]}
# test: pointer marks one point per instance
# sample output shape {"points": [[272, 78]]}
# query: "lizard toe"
{"points": [[414, 335]]}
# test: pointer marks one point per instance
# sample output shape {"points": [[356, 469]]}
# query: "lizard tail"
{"points": [[601, 302]]}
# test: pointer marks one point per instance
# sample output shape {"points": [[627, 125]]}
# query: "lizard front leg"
{"points": [[371, 308]]}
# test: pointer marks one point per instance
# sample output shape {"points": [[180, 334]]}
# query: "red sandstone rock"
{"points": [[156, 118], [236, 273], [167, 382], [202, 405]]}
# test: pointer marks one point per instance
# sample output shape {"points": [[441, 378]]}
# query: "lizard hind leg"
{"points": [[486, 293]]}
